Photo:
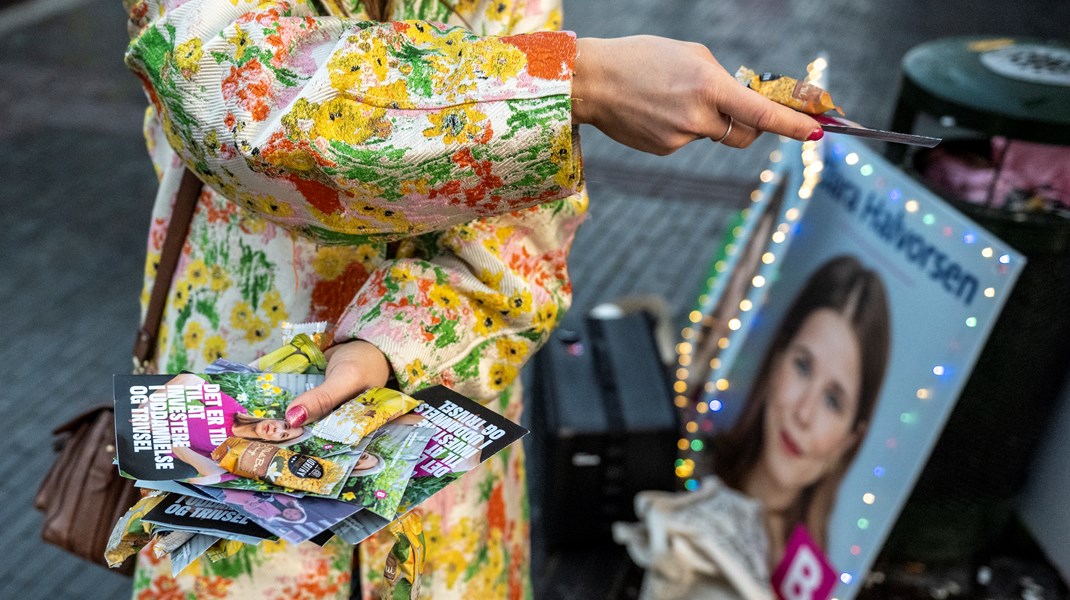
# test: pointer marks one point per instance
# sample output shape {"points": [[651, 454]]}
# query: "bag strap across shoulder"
{"points": [[181, 215]]}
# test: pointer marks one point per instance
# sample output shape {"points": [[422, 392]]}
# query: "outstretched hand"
{"points": [[352, 367], [657, 94]]}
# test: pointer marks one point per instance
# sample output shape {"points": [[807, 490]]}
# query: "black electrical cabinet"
{"points": [[604, 426]]}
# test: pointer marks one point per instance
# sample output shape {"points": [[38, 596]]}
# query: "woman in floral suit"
{"points": [[417, 184]]}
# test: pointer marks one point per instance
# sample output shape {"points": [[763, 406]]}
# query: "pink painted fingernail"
{"points": [[296, 416], [815, 135]]}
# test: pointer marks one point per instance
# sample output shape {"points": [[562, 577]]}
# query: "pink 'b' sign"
{"points": [[805, 573]]}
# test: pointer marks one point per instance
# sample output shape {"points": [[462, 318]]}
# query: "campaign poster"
{"points": [[860, 330]]}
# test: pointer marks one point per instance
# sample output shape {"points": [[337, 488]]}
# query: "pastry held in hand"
{"points": [[282, 467], [350, 422], [793, 93]]}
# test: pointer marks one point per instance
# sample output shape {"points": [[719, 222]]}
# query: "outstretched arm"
{"points": [[657, 95], [347, 129]]}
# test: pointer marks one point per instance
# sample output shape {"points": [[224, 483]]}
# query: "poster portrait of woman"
{"points": [[811, 402]]}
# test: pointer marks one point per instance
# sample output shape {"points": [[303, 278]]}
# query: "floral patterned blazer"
{"points": [[413, 183], [416, 184]]}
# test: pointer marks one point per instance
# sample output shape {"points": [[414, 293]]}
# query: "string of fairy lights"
{"points": [[938, 384], [697, 405]]}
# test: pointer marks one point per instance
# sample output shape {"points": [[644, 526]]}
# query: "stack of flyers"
{"points": [[375, 458]]}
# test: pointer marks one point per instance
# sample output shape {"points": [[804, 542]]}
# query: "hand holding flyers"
{"points": [[167, 425], [353, 367]]}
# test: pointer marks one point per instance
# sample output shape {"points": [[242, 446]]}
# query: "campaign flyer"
{"points": [[291, 518], [186, 513], [385, 463], [466, 433], [166, 426]]}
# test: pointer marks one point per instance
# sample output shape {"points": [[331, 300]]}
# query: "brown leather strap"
{"points": [[181, 215]]}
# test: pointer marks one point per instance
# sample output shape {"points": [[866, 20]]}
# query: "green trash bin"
{"points": [[964, 497]]}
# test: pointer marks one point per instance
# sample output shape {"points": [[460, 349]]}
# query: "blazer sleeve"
{"points": [[353, 131], [469, 316]]}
